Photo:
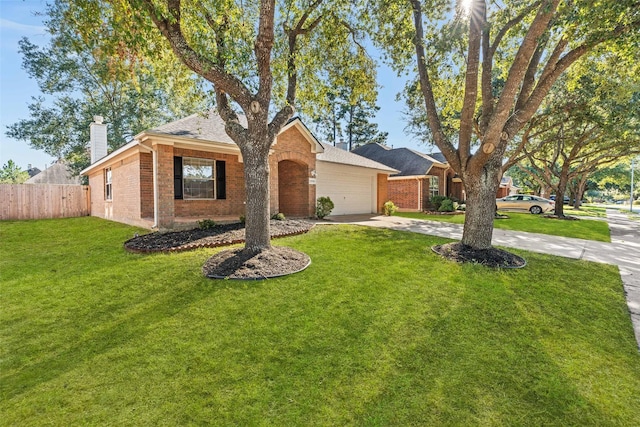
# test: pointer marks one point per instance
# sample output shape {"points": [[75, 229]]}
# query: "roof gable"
{"points": [[408, 162], [336, 155]]}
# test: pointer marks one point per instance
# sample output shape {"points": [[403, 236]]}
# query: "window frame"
{"points": [[433, 179], [108, 184], [185, 178]]}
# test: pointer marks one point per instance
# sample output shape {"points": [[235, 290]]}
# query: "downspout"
{"points": [[419, 194], [445, 176], [156, 204]]}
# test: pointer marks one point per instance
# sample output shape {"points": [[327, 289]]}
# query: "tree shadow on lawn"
{"points": [[109, 331], [483, 361]]}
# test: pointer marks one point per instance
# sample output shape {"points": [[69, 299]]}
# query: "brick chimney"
{"points": [[98, 137]]}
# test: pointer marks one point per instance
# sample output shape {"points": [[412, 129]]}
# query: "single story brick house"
{"points": [[173, 175], [420, 176]]}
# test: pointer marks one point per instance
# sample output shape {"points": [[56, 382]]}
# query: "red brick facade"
{"points": [[414, 193], [292, 163], [383, 190]]}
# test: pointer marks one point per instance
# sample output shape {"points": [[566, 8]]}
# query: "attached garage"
{"points": [[350, 181]]}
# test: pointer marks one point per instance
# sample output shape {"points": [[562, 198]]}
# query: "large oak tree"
{"points": [[484, 70], [255, 53]]}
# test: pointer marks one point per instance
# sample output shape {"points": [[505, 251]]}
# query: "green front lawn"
{"points": [[582, 229], [377, 331]]}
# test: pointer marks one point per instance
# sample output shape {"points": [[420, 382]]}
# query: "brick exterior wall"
{"points": [[146, 185], [293, 198], [415, 193], [166, 205], [126, 204], [291, 164], [292, 147], [383, 191], [404, 193]]}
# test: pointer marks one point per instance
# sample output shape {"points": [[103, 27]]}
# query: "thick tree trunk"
{"points": [[481, 187], [256, 178], [562, 187]]}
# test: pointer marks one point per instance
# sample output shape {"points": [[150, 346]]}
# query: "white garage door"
{"points": [[352, 189]]}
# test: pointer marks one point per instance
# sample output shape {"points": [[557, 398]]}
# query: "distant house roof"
{"points": [[58, 173], [336, 155], [32, 171], [408, 162]]}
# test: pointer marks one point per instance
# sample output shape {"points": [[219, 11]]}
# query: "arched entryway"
{"points": [[293, 189]]}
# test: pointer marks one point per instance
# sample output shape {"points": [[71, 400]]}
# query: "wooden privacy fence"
{"points": [[40, 201]]}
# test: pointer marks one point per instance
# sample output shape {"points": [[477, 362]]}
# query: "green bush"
{"points": [[206, 224], [278, 216], [242, 219], [389, 208], [446, 206], [324, 207], [436, 201]]}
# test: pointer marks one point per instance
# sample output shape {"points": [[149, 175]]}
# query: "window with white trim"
{"points": [[108, 188], [198, 178], [434, 186]]}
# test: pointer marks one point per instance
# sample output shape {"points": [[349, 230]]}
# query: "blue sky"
{"points": [[18, 19]]}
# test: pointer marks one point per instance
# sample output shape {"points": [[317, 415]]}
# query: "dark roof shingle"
{"points": [[408, 162]]}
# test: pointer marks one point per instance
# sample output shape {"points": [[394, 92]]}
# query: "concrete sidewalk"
{"points": [[623, 251]]}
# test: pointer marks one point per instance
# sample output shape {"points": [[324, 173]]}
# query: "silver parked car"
{"points": [[525, 202]]}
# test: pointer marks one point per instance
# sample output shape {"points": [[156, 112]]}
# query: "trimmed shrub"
{"points": [[242, 219], [389, 208], [278, 216], [446, 206], [436, 201], [206, 224], [324, 207]]}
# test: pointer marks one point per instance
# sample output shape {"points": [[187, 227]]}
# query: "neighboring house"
{"points": [[454, 186], [173, 175], [32, 171], [57, 173], [420, 176], [507, 188]]}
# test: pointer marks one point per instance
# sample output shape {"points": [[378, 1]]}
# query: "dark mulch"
{"points": [[443, 213], [494, 257], [220, 235], [238, 264], [565, 217]]}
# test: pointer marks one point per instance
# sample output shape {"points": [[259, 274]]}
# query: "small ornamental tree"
{"points": [[324, 207]]}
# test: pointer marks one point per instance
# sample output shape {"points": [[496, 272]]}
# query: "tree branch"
{"points": [[170, 28], [448, 150]]}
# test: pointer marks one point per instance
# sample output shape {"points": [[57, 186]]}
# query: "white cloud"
{"points": [[24, 29]]}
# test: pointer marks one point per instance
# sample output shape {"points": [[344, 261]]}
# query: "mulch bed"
{"points": [[238, 264], [443, 213], [565, 217], [220, 235], [493, 257]]}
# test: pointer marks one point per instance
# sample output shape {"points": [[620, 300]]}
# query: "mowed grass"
{"points": [[377, 331], [581, 229], [586, 210]]}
